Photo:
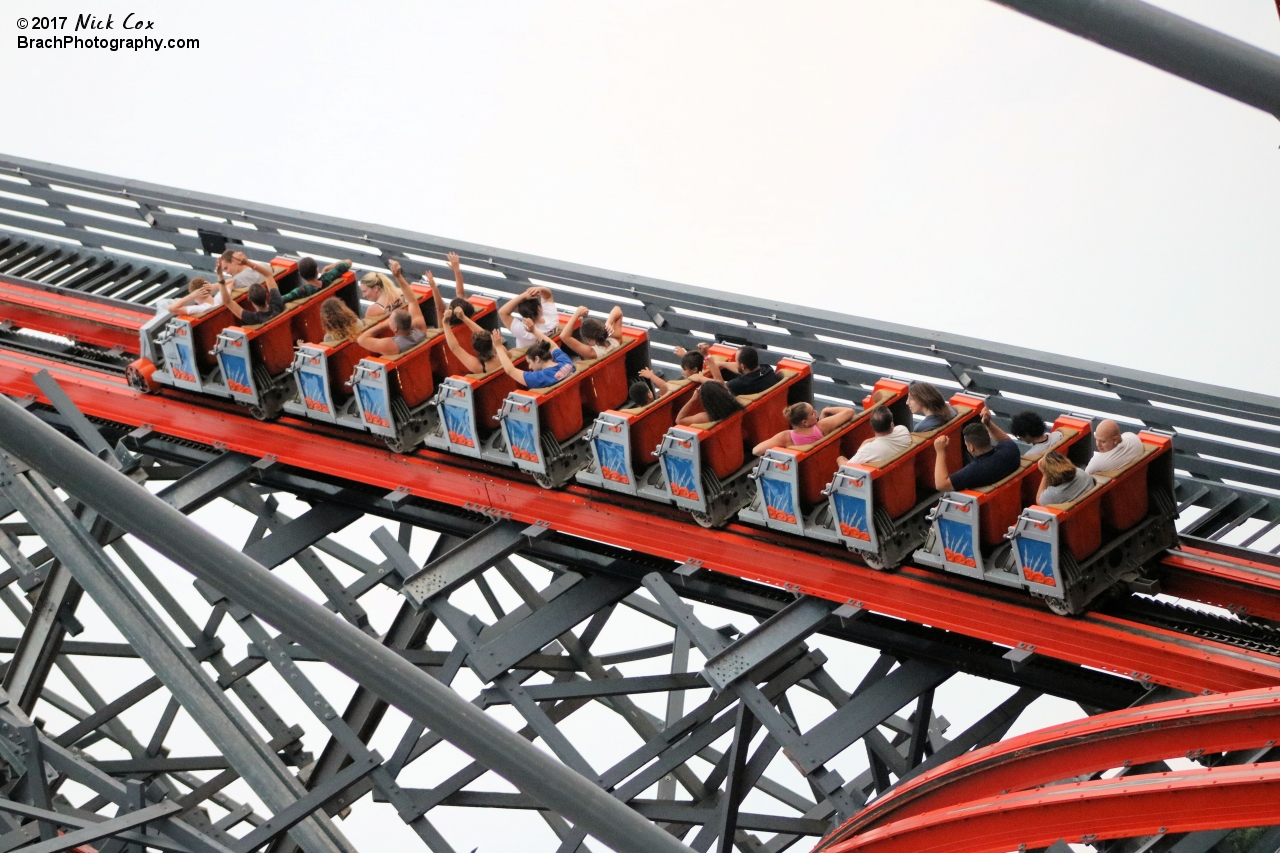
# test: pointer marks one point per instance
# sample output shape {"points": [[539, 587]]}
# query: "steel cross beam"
{"points": [[154, 642]]}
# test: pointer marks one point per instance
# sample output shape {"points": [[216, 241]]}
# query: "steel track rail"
{"points": [[1244, 586], [1156, 804], [80, 317], [1201, 725], [1145, 653]]}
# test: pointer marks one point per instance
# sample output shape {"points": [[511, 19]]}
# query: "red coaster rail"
{"points": [[1146, 653], [1202, 725]]}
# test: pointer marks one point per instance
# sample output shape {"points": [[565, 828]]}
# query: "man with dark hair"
{"points": [[264, 297], [751, 377], [991, 462], [314, 280], [888, 444], [1028, 428]]}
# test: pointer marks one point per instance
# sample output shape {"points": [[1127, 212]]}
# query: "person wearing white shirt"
{"points": [[889, 442], [537, 305], [1114, 449], [201, 297]]}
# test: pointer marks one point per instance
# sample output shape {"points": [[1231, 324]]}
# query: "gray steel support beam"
{"points": [[790, 625], [987, 730], [867, 710], [609, 687], [351, 651], [109, 711], [1268, 843], [84, 429], [735, 785], [675, 703], [300, 534], [1169, 42], [144, 630], [588, 596], [365, 709], [56, 818], [207, 482], [43, 634], [313, 803], [107, 828], [441, 576], [75, 767], [797, 747]]}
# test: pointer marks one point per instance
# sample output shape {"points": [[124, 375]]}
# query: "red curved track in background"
{"points": [[1184, 728], [1188, 801]]}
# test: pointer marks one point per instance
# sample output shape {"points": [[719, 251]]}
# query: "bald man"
{"points": [[1114, 448]]}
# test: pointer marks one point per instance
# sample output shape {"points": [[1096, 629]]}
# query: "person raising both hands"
{"points": [[263, 297], [537, 309], [485, 358], [460, 308], [598, 339], [547, 362], [407, 328]]}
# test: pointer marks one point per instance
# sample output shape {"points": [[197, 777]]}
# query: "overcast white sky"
{"points": [[942, 163], [948, 164]]}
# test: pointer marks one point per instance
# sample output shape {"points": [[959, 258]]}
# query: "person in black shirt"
{"points": [[746, 374], [992, 462], [263, 298]]}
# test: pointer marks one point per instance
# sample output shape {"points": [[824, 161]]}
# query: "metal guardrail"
{"points": [[1228, 441]]}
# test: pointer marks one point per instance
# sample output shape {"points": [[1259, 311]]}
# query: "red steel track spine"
{"points": [[1132, 736], [1186, 801], [1241, 586], [78, 319], [918, 595]]}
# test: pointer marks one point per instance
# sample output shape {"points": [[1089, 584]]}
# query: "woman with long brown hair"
{"points": [[925, 399], [715, 401]]}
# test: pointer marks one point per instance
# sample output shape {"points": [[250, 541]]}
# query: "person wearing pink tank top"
{"points": [[808, 426], [799, 438]]}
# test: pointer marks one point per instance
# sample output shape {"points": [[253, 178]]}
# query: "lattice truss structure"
{"points": [[142, 708]]}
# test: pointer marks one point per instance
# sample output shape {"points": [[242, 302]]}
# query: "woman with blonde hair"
{"points": [[807, 426], [925, 399], [340, 322], [381, 291], [1062, 481]]}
